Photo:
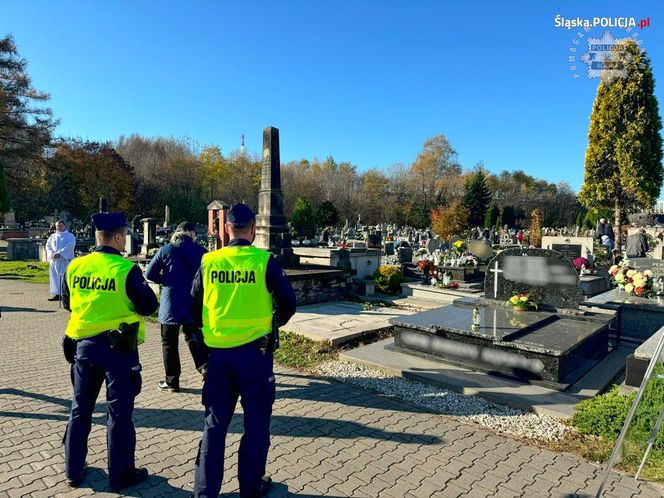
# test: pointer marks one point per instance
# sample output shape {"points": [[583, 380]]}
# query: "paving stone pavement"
{"points": [[328, 439]]}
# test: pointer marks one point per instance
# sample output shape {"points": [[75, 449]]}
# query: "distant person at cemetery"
{"points": [[519, 237], [325, 236], [608, 243], [59, 253], [106, 295], [637, 244], [604, 228], [174, 267]]}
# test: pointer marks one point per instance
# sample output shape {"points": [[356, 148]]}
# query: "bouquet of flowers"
{"points": [[451, 285], [521, 302], [471, 260], [579, 262], [426, 266], [459, 247], [632, 281]]}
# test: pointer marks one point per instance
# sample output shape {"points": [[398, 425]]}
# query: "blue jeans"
{"points": [[244, 372], [95, 363]]}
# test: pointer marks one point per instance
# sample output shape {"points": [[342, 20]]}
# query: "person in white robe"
{"points": [[59, 253]]}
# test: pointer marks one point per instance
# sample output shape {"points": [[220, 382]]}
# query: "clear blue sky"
{"points": [[363, 81]]}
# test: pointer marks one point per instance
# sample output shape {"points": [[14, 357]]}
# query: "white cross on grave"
{"points": [[495, 272]]}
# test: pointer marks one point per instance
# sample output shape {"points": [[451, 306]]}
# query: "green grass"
{"points": [[296, 351], [600, 419], [28, 271]]}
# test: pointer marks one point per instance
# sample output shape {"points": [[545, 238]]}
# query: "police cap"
{"points": [[240, 214], [109, 221]]}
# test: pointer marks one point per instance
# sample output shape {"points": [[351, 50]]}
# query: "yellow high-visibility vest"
{"points": [[237, 307], [98, 295]]}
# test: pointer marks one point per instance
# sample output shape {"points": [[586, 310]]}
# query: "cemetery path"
{"points": [[328, 439]]}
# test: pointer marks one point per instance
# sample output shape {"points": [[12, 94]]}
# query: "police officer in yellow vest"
{"points": [[238, 291], [106, 295]]}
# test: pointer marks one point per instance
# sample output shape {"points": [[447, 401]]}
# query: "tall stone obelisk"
{"points": [[272, 232]]}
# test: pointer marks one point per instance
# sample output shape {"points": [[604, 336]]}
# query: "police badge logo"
{"points": [[606, 57]]}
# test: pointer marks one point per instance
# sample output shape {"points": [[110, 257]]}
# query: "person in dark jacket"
{"points": [[604, 228], [174, 267], [637, 244]]}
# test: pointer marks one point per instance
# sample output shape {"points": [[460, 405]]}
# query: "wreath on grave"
{"points": [[522, 302], [631, 281]]}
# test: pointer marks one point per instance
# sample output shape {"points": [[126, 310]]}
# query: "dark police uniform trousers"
{"points": [[244, 371], [95, 363]]}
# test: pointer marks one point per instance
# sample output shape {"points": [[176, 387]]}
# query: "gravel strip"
{"points": [[498, 418]]}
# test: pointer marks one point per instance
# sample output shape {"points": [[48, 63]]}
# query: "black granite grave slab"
{"points": [[543, 273], [537, 346], [639, 317], [463, 273], [531, 346], [495, 323], [554, 346]]}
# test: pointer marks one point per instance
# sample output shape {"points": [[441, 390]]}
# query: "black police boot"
{"points": [[165, 386], [135, 477], [264, 488], [75, 482], [54, 298]]}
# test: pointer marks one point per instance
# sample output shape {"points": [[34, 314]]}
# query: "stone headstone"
{"points": [[149, 235], [10, 219], [657, 269], [570, 251], [545, 274], [22, 249], [570, 247], [129, 245], [658, 251], [344, 260], [432, 245], [481, 249], [405, 254], [506, 239], [374, 240], [167, 216]]}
